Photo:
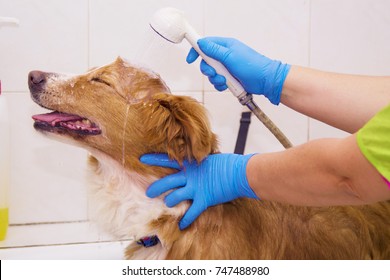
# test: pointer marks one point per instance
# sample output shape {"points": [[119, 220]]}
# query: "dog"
{"points": [[121, 111]]}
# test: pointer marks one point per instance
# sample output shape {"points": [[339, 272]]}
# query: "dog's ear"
{"points": [[181, 128]]}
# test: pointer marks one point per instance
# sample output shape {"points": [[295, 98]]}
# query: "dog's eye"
{"points": [[100, 80]]}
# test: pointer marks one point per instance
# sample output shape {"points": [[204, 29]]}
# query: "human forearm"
{"points": [[318, 173], [343, 101]]}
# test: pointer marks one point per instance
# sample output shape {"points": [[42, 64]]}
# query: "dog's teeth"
{"points": [[87, 122]]}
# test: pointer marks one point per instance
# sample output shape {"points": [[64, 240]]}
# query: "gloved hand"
{"points": [[256, 73], [217, 179]]}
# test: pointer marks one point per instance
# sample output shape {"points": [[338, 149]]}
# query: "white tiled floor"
{"points": [[90, 251], [74, 240]]}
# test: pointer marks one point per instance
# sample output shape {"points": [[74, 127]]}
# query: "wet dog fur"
{"points": [[127, 111]]}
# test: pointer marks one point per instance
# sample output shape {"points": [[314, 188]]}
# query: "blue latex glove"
{"points": [[256, 73], [217, 179]]}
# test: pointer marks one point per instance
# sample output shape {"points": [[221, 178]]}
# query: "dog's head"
{"points": [[122, 111]]}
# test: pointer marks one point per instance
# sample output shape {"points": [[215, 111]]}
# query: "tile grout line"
{"points": [[48, 223], [309, 61], [66, 244], [89, 34]]}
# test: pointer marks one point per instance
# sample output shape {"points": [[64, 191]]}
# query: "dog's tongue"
{"points": [[55, 117], [67, 122]]}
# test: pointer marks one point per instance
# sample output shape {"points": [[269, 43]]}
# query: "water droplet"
{"points": [[124, 136]]}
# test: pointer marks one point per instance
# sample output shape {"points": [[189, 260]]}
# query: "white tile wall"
{"points": [[121, 27], [53, 35], [225, 114], [42, 169], [278, 29], [47, 178], [348, 36]]}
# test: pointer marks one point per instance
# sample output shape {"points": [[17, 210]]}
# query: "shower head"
{"points": [[172, 25]]}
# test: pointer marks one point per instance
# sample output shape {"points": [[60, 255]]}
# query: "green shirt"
{"points": [[374, 141]]}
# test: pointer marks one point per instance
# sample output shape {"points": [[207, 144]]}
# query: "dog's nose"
{"points": [[36, 81]]}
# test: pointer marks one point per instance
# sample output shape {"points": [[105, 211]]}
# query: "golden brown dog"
{"points": [[119, 112]]}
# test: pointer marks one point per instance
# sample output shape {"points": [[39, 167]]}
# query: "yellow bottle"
{"points": [[4, 165], [3, 223]]}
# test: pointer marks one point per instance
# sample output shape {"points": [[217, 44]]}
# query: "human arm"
{"points": [[257, 73], [340, 100], [318, 173]]}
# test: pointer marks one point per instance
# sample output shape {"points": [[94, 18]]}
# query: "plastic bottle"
{"points": [[4, 164]]}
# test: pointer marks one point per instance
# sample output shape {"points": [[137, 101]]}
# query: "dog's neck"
{"points": [[118, 200]]}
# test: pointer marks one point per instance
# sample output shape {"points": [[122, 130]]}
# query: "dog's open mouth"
{"points": [[62, 122]]}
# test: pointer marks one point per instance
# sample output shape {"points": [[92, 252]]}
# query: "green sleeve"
{"points": [[374, 141]]}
